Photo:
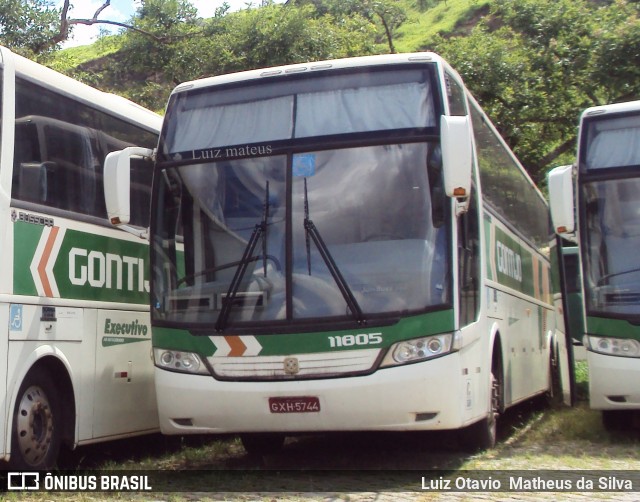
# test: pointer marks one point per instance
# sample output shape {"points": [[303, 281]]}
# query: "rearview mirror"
{"points": [[561, 201], [117, 183], [457, 157]]}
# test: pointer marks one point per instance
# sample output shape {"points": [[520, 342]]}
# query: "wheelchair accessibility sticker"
{"points": [[15, 318]]}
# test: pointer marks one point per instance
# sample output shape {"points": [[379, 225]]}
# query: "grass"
{"points": [[567, 438], [68, 59], [445, 17], [564, 438], [533, 437]]}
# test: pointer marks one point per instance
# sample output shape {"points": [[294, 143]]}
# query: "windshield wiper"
{"points": [[605, 278], [311, 232], [260, 230]]}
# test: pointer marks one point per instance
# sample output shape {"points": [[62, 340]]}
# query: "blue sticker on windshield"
{"points": [[304, 165]]}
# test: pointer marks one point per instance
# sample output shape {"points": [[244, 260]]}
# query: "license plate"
{"points": [[302, 404]]}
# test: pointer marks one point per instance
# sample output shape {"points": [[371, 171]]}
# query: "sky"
{"points": [[122, 10]]}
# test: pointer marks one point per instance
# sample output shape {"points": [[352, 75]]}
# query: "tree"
{"points": [[28, 26], [171, 45], [386, 15], [543, 64]]}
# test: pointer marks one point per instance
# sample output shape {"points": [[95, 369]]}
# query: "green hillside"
{"points": [[415, 34], [145, 70], [69, 60], [533, 65], [445, 17]]}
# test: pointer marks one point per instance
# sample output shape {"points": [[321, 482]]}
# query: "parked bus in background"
{"points": [[597, 204], [343, 245], [76, 334]]}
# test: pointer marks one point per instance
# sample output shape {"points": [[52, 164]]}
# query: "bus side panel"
{"points": [[124, 374], [84, 382], [39, 332], [475, 357], [79, 263], [524, 353], [517, 273], [4, 403]]}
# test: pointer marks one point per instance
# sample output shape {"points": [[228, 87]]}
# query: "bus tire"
{"points": [[554, 393], [259, 444], [36, 433]]}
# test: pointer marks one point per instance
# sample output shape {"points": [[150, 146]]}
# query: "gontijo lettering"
{"points": [[100, 269], [509, 262]]}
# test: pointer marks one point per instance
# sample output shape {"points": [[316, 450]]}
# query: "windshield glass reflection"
{"points": [[612, 241], [373, 208]]}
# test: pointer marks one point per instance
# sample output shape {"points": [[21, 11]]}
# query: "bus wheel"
{"points": [[262, 443], [554, 394], [37, 427], [482, 435]]}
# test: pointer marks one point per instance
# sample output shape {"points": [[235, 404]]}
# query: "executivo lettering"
{"points": [[125, 328], [107, 270]]}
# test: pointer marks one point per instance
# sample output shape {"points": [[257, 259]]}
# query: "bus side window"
{"points": [[60, 147], [455, 93], [29, 174], [72, 185]]}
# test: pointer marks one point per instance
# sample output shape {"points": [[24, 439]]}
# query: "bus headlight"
{"points": [[418, 349], [624, 347], [176, 360]]}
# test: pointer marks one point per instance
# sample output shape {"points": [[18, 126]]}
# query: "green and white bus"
{"points": [[75, 334], [600, 193], [342, 245]]}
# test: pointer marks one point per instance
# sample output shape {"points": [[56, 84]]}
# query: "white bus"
{"points": [[343, 245], [607, 230], [76, 335]]}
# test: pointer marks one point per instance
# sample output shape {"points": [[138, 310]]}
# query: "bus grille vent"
{"points": [[307, 366]]}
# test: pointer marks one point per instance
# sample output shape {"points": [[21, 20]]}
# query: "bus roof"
{"points": [[629, 106], [110, 103], [333, 64]]}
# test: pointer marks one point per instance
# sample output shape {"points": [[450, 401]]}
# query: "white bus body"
{"points": [[601, 193], [76, 334], [345, 245]]}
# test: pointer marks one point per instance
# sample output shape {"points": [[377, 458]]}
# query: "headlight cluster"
{"points": [[176, 360], [418, 349], [625, 347]]}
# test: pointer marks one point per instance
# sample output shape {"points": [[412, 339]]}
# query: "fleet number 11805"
{"points": [[353, 340]]}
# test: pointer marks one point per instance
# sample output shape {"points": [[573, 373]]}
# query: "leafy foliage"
{"points": [[532, 64], [545, 62], [191, 48], [27, 26]]}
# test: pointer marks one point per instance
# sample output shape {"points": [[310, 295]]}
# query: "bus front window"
{"points": [[211, 212], [372, 208], [314, 198], [243, 221], [612, 239], [609, 159]]}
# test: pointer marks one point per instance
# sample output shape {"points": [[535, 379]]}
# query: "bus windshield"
{"points": [[610, 154], [208, 123], [612, 143], [612, 240], [347, 232]]}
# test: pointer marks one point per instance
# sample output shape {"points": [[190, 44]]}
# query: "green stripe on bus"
{"points": [[86, 266], [619, 328], [306, 343]]}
